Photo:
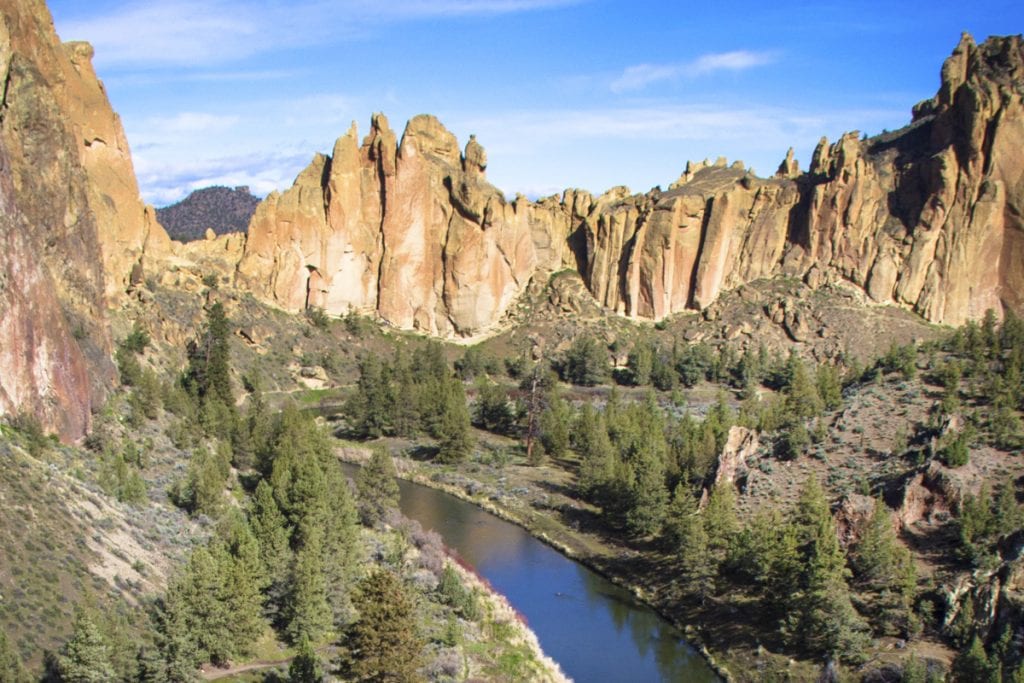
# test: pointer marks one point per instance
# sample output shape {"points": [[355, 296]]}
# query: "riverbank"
{"points": [[503, 617], [575, 542]]}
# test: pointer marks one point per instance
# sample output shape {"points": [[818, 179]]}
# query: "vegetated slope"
{"points": [[865, 510], [220, 209]]}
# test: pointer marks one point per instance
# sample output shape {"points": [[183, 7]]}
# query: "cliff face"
{"points": [[72, 223], [928, 217], [411, 231]]}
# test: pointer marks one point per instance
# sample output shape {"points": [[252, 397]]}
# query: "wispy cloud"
{"points": [[164, 182], [191, 33], [642, 75]]}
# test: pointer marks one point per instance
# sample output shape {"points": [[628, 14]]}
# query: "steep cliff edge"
{"points": [[928, 217], [73, 223]]}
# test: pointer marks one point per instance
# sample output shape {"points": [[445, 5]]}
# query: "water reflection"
{"points": [[595, 630]]}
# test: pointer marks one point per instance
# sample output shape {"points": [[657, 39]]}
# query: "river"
{"points": [[596, 631]]}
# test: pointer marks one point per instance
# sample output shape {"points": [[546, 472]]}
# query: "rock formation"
{"points": [[928, 217], [73, 225], [412, 232]]}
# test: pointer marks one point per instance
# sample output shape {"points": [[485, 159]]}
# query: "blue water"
{"points": [[596, 631]]}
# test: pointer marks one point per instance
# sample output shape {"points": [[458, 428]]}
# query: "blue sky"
{"points": [[561, 93]]}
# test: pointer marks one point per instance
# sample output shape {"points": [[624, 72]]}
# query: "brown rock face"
{"points": [[74, 226], [51, 277], [928, 217], [411, 232]]}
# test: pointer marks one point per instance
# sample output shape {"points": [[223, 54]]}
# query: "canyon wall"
{"points": [[409, 229], [928, 217], [72, 224]]}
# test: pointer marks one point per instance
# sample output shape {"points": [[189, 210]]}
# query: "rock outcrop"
{"points": [[928, 218], [412, 232], [73, 225]]}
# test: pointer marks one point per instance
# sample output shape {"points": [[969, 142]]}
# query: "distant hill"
{"points": [[221, 208]]}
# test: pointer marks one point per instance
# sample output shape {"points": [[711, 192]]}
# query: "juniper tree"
{"points": [[306, 667], [85, 657], [10, 662], [825, 620], [597, 456], [454, 440], [269, 527], [308, 613], [385, 643], [377, 486]]}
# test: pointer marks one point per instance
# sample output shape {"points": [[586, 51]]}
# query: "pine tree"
{"points": [[245, 581], [369, 409], [268, 526], [720, 521], [454, 440], [208, 603], [10, 662], [306, 667], [648, 497], [640, 363], [555, 424], [802, 398], [150, 666], [340, 541], [597, 457], [492, 410], [699, 568], [309, 614], [384, 644], [85, 658], [208, 376], [825, 620], [378, 487], [586, 363], [972, 665], [178, 648]]}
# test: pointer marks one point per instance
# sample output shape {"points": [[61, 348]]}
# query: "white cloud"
{"points": [[191, 122], [164, 181], [193, 33], [642, 75]]}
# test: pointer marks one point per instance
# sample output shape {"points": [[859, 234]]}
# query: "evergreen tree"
{"points": [[10, 662], [720, 521], [454, 440], [492, 410], [85, 658], [597, 456], [830, 386], [802, 398], [648, 497], [555, 424], [309, 614], [208, 376], [640, 363], [369, 408], [306, 667], [269, 527], [586, 363], [206, 601], [688, 528], [378, 487], [245, 581], [384, 644], [825, 620], [340, 541], [972, 665]]}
